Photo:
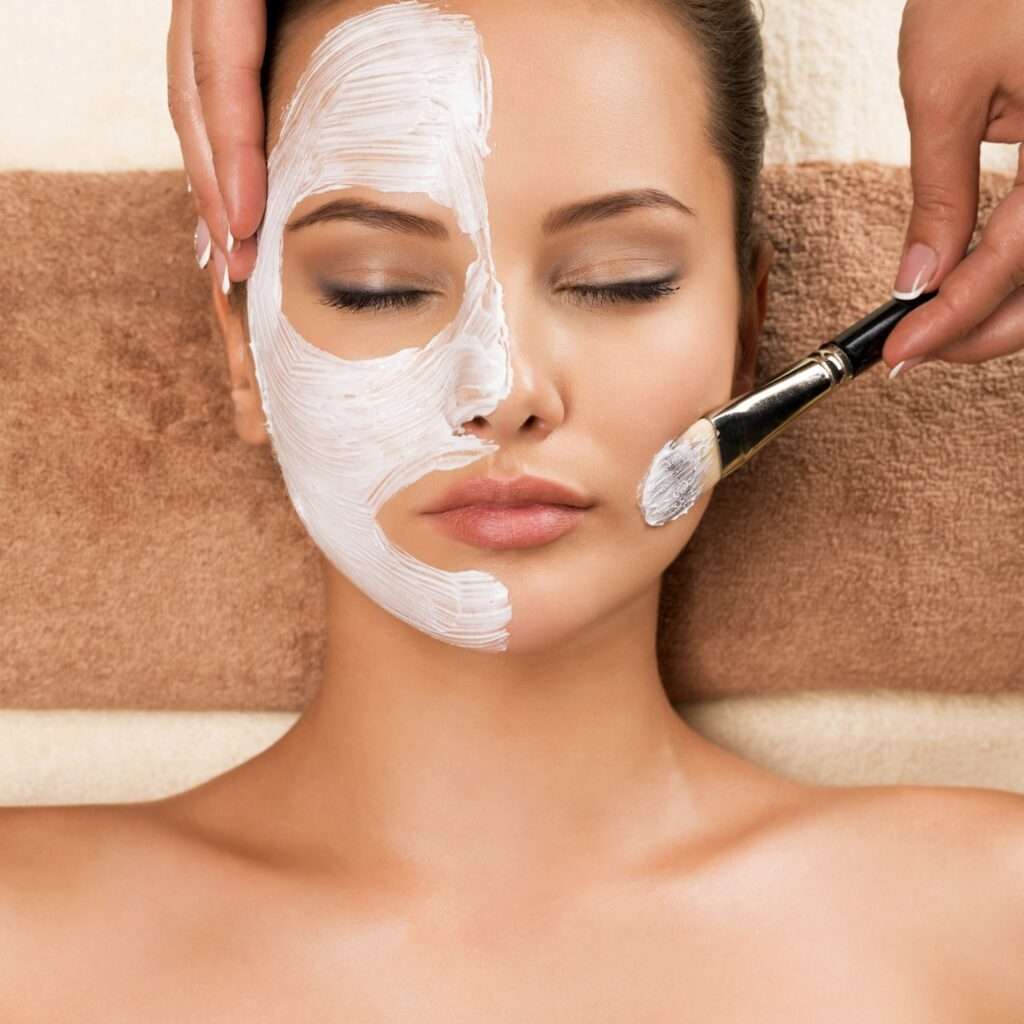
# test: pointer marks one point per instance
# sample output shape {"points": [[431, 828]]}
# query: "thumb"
{"points": [[945, 156]]}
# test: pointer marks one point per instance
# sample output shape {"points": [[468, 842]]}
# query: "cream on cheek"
{"points": [[397, 99]]}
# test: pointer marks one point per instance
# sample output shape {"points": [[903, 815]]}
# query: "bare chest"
{"points": [[606, 968]]}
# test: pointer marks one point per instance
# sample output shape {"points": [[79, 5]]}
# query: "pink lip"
{"points": [[523, 512]]}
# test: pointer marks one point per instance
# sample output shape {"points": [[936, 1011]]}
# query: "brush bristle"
{"points": [[679, 474]]}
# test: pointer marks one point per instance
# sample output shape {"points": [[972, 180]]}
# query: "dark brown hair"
{"points": [[731, 55], [728, 42]]}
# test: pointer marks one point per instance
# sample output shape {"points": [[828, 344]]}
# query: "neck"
{"points": [[462, 765]]}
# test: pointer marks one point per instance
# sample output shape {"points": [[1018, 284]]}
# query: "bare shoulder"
{"points": [[954, 859], [58, 850], [43, 854], [57, 857], [83, 890], [963, 827], [82, 857], [44, 871]]}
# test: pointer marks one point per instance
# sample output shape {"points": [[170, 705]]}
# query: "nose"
{"points": [[534, 407]]}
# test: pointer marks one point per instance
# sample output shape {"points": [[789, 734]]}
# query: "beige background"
{"points": [[84, 89]]}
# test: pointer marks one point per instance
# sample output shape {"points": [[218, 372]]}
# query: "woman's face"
{"points": [[601, 267]]}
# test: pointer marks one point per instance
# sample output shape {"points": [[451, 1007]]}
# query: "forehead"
{"points": [[588, 95]]}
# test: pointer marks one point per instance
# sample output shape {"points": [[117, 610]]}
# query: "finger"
{"points": [[947, 127], [973, 291], [183, 103], [243, 259], [228, 40], [1000, 335]]}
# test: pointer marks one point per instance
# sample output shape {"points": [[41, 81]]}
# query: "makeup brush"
{"points": [[723, 440]]}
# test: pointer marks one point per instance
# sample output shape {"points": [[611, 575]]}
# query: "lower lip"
{"points": [[503, 526]]}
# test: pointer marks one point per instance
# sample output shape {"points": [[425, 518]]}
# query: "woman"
{"points": [[532, 223]]}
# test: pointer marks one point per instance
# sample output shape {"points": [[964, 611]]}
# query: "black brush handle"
{"points": [[746, 424], [864, 341]]}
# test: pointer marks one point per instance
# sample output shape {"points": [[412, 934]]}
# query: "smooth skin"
{"points": [[962, 82], [536, 835]]}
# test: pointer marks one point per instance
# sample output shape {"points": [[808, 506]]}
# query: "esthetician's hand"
{"points": [[962, 79], [214, 54]]}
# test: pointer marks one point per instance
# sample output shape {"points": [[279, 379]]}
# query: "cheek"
{"points": [[662, 373]]}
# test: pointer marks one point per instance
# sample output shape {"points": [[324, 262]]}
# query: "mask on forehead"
{"points": [[397, 99]]}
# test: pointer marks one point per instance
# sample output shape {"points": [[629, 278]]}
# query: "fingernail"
{"points": [[916, 270], [231, 241], [220, 268], [188, 184], [905, 366], [203, 243]]}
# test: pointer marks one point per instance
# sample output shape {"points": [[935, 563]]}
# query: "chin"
{"points": [[569, 611], [537, 635]]}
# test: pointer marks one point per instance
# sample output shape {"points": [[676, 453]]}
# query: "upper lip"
{"points": [[520, 490]]}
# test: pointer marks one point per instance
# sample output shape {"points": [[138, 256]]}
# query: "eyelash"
{"points": [[625, 291], [619, 291], [357, 300]]}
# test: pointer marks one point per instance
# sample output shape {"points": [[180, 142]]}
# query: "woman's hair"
{"points": [[731, 55]]}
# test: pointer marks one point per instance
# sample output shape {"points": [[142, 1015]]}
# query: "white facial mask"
{"points": [[397, 99]]}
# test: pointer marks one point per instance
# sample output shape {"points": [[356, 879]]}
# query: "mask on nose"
{"points": [[397, 99]]}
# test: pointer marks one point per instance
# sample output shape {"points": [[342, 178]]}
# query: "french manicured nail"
{"points": [[188, 184], [905, 365], [231, 241], [203, 243], [918, 267], [220, 268]]}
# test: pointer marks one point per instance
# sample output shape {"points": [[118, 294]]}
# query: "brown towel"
{"points": [[151, 560]]}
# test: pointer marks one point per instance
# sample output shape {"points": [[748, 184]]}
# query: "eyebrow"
{"points": [[374, 215], [588, 211], [611, 205]]}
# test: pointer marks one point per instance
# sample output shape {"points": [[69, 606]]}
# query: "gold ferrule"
{"points": [[746, 424]]}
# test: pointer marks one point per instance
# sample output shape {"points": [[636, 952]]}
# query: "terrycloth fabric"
{"points": [[151, 560]]}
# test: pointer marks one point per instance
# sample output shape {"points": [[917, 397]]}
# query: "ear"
{"points": [[752, 319], [245, 392]]}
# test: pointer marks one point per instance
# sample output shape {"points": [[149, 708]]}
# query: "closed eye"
{"points": [[624, 291], [373, 300], [585, 294]]}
